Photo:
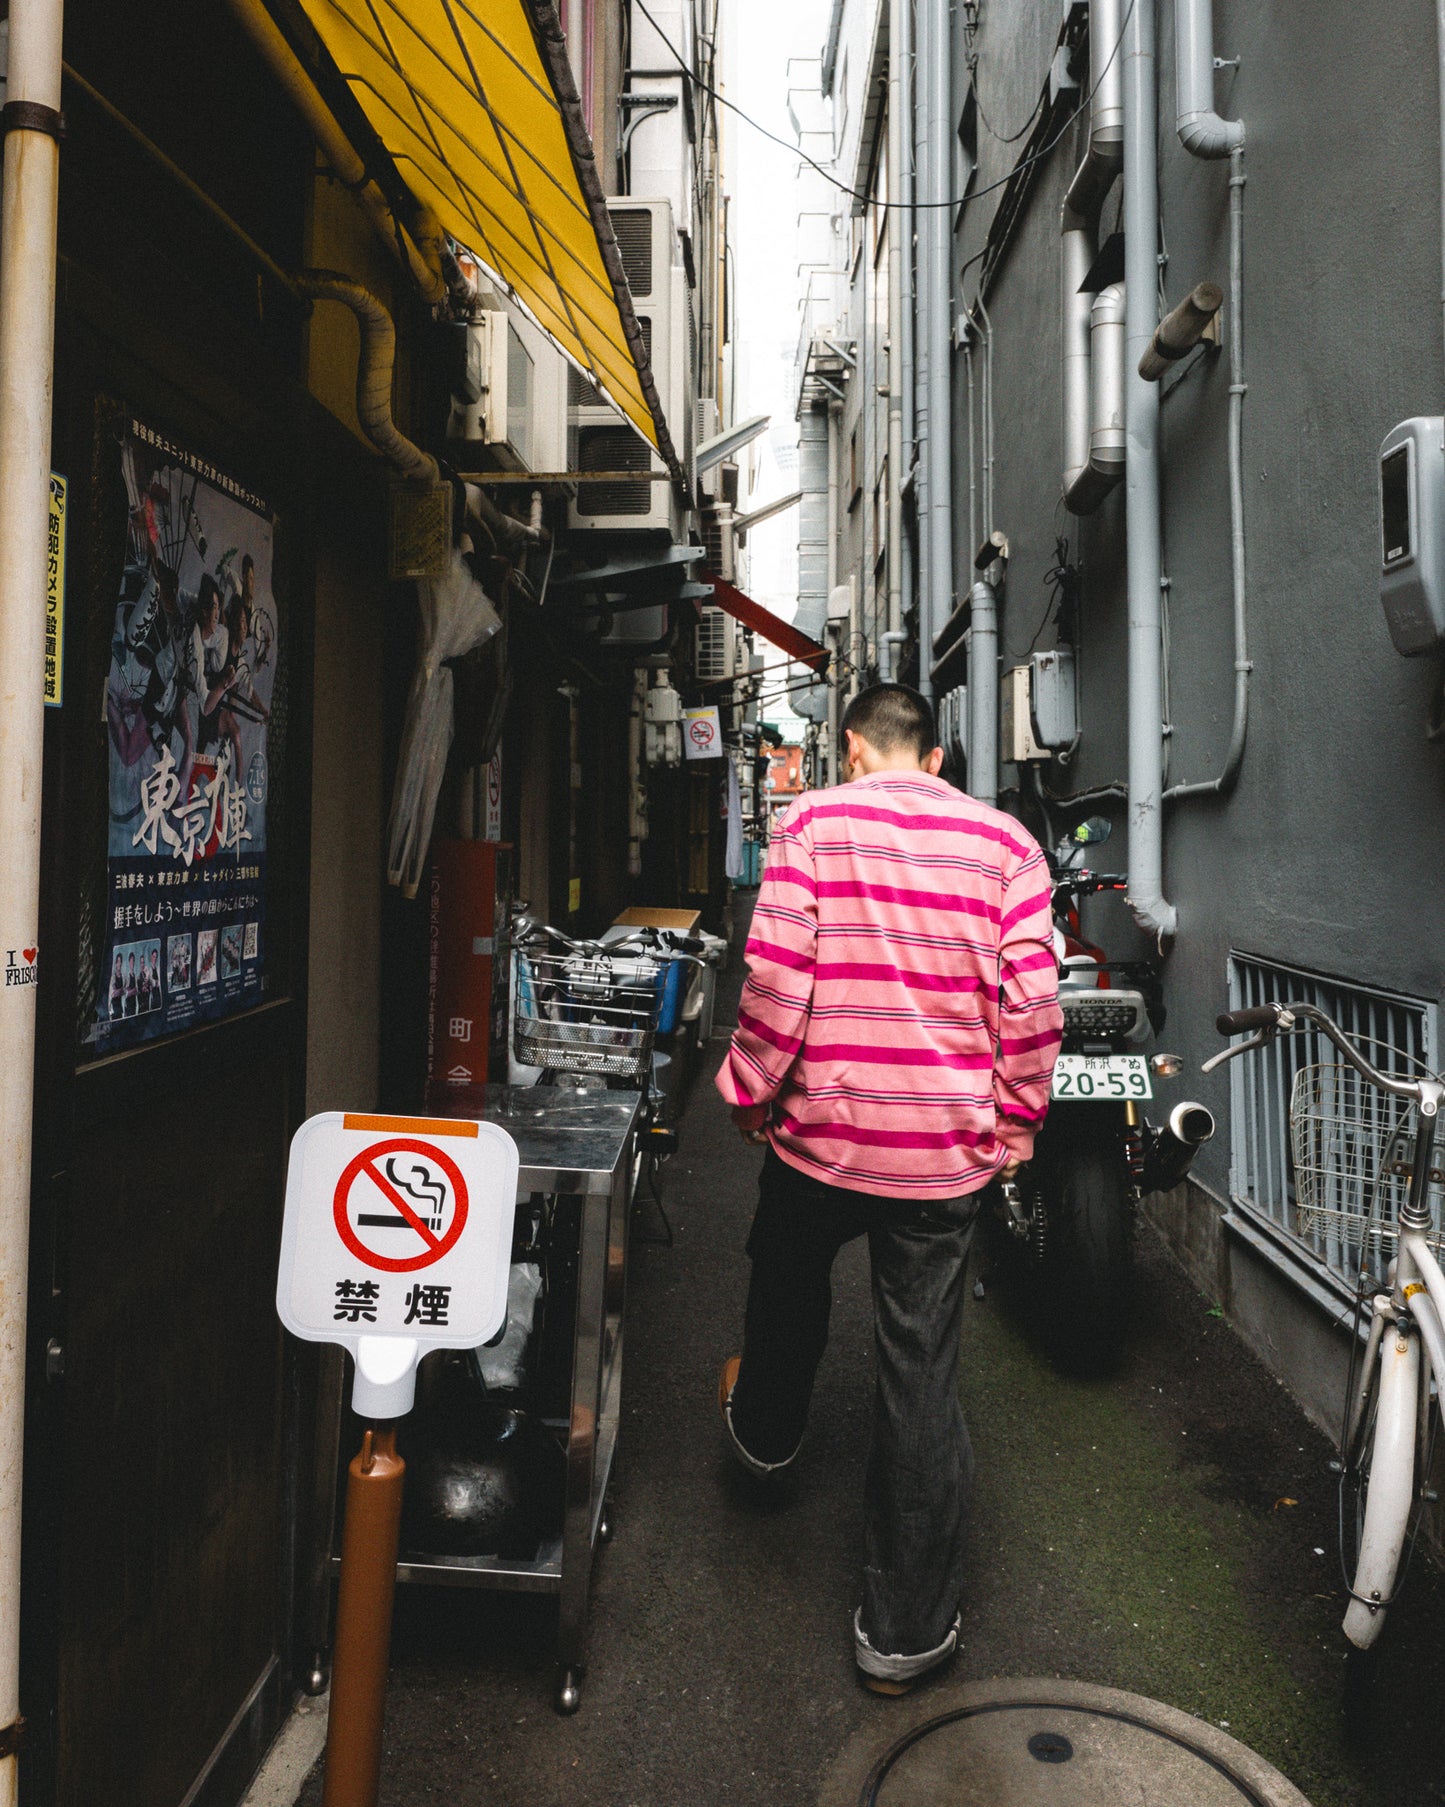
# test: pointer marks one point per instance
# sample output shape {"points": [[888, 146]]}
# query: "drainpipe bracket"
{"points": [[32, 116]]}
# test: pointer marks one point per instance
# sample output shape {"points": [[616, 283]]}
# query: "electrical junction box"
{"points": [[1015, 718], [1054, 698], [1412, 533]]}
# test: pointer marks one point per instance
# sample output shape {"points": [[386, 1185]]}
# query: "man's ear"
{"points": [[933, 765]]}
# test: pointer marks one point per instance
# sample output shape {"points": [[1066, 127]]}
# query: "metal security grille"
{"points": [[1334, 1185]]}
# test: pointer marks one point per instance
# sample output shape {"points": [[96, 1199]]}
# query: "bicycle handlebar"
{"points": [[1268, 1020], [1240, 1022], [658, 942]]}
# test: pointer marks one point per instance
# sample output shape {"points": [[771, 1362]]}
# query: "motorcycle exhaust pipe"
{"points": [[1172, 1151]]}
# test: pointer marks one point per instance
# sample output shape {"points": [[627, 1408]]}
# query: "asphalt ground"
{"points": [[1170, 1530]]}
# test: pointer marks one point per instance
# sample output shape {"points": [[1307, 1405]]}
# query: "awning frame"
{"points": [[548, 40], [782, 634], [552, 48]]}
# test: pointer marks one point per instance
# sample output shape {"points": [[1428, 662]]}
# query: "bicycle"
{"points": [[1392, 1402], [591, 1008]]}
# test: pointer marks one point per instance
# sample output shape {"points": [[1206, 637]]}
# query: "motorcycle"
{"points": [[1069, 1215]]}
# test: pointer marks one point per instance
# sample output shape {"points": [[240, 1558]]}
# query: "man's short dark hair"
{"points": [[893, 718]]}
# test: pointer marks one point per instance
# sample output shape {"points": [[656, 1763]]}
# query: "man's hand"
{"points": [[1008, 1171], [750, 1119]]}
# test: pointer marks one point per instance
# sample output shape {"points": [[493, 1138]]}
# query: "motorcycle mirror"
{"points": [[1091, 832]]}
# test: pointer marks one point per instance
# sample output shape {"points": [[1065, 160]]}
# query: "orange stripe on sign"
{"points": [[410, 1126]]}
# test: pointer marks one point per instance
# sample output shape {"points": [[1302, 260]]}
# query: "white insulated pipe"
{"points": [[1107, 437], [936, 296], [905, 328], [1201, 131], [1078, 256], [1104, 420], [1152, 910], [897, 123], [1079, 225], [929, 623], [28, 204], [374, 368]]}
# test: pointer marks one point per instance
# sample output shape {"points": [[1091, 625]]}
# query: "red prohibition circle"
{"points": [[701, 733], [364, 1163]]}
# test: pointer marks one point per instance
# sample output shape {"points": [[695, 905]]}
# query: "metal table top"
{"points": [[570, 1138]]}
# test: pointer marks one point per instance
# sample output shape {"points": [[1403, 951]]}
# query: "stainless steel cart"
{"points": [[579, 1143]]}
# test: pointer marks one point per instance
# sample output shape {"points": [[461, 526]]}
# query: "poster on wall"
{"points": [[187, 706]]}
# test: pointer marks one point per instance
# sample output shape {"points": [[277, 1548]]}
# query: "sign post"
{"points": [[397, 1239]]}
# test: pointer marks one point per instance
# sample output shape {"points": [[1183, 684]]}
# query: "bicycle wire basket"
{"points": [[581, 1008], [1353, 1153]]}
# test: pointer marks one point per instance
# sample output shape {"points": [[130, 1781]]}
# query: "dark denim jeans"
{"points": [[920, 1469]]}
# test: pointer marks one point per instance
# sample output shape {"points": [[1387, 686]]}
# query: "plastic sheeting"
{"points": [[456, 616]]}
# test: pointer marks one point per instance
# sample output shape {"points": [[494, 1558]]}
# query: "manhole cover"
{"points": [[1052, 1744]]}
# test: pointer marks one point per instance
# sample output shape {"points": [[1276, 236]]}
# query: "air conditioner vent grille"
{"points": [[613, 449], [715, 644], [633, 226]]}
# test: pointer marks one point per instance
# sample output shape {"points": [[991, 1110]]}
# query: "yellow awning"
{"points": [[474, 102]]}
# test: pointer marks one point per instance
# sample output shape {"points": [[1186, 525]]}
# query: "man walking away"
{"points": [[895, 1045]]}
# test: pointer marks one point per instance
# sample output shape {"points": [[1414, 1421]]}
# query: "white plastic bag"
{"points": [[455, 617]]}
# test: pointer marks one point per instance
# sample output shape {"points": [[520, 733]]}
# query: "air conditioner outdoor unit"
{"points": [[598, 438], [512, 397], [721, 651]]}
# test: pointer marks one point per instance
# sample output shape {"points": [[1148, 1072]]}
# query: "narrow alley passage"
{"points": [[1170, 1531]]}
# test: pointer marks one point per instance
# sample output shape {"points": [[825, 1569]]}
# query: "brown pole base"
{"points": [[363, 1620]]}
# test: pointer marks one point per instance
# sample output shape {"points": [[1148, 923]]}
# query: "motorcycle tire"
{"points": [[1089, 1253]]}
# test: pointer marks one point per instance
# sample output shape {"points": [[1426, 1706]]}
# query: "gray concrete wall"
{"points": [[1327, 854]]}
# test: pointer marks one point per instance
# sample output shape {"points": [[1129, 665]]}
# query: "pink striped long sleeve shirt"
{"points": [[901, 1011]]}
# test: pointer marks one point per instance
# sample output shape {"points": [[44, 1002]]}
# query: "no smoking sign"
{"points": [[400, 1205], [397, 1238]]}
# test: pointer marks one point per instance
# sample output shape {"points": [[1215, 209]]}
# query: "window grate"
{"points": [[1397, 1034]]}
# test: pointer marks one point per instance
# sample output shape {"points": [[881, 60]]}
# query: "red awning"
{"points": [[772, 627]]}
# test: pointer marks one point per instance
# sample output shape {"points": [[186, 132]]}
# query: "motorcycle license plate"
{"points": [[1103, 1077]]}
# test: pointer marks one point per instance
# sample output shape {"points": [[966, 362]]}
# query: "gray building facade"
{"points": [[1314, 869]]}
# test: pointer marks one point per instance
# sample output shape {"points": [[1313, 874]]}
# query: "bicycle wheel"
{"points": [[1379, 1488]]}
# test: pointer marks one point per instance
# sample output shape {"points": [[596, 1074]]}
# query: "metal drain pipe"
{"points": [[27, 365], [1204, 134], [1152, 910], [893, 639], [935, 286], [1201, 131]]}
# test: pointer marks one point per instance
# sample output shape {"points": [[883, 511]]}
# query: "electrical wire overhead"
{"points": [[859, 194]]}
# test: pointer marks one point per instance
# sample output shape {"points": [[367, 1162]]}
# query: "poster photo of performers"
{"points": [[188, 706]]}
